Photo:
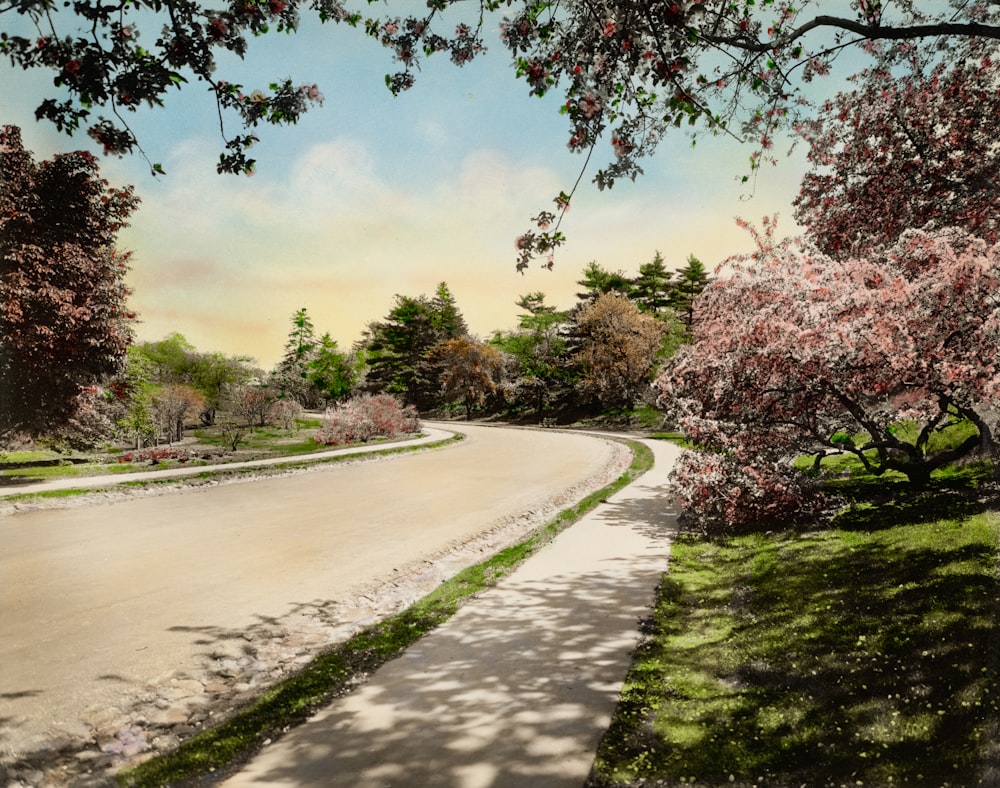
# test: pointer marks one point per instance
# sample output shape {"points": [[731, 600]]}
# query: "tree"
{"points": [[470, 371], [540, 351], [173, 359], [887, 359], [397, 347], [64, 319], [691, 281], [216, 375], [291, 376], [134, 389], [252, 403], [598, 281], [172, 406], [445, 314], [630, 72], [652, 288], [900, 153], [331, 373], [619, 346]]}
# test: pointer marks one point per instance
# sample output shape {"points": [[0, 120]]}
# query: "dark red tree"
{"points": [[64, 322]]}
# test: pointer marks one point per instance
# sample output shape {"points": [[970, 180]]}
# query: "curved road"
{"points": [[103, 604]]}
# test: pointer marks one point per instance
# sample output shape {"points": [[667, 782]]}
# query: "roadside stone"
{"points": [[175, 715], [188, 686], [216, 687]]}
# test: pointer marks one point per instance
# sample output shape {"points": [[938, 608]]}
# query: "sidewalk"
{"points": [[430, 435], [518, 688]]}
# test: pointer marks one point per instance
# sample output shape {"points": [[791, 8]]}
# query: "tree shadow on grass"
{"points": [[857, 659]]}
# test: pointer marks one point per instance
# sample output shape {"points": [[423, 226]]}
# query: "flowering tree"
{"points": [[64, 322], [470, 371], [172, 406], [618, 350], [365, 417], [795, 352], [253, 404], [902, 151], [629, 71]]}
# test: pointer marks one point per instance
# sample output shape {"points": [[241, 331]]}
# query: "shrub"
{"points": [[154, 456], [365, 417], [284, 412], [722, 493]]}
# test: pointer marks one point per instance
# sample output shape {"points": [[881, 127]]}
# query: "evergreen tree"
{"points": [[291, 376], [599, 281], [397, 348], [331, 372], [691, 280], [540, 350], [651, 290]]}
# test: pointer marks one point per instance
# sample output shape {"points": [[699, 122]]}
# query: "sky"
{"points": [[372, 195]]}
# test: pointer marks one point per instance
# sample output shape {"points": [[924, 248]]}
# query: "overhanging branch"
{"points": [[871, 32]]}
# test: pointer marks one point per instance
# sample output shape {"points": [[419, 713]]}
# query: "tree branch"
{"points": [[867, 31]]}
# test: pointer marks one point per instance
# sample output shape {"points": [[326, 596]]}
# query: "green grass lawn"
{"points": [[848, 656]]}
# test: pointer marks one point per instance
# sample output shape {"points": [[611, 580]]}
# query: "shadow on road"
{"points": [[516, 690]]}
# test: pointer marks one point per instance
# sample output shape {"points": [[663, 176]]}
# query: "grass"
{"points": [[842, 656], [334, 672], [223, 472], [674, 437]]}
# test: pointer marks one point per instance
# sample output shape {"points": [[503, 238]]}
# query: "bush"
{"points": [[369, 416], [284, 412], [719, 493]]}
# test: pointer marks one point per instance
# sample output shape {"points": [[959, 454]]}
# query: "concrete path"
{"points": [[518, 688], [429, 435]]}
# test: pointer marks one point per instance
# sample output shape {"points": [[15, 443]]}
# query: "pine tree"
{"points": [[691, 280], [651, 290]]}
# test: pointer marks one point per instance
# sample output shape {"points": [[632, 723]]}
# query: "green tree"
{"points": [[599, 281], [692, 279], [652, 288], [291, 375], [64, 320], [134, 389], [543, 371], [172, 359], [215, 376], [332, 373], [397, 347]]}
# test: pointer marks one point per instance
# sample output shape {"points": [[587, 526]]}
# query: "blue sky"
{"points": [[370, 196]]}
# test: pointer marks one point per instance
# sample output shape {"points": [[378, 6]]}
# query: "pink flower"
{"points": [[590, 107], [610, 28]]}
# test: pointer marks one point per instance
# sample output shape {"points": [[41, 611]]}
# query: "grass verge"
{"points": [[843, 656], [335, 672], [224, 472]]}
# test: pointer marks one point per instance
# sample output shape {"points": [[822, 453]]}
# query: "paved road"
{"points": [[519, 687], [102, 601]]}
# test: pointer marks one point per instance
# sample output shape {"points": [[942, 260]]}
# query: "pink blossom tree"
{"points": [[796, 352], [903, 151]]}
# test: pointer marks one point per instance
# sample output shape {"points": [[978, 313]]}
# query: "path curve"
{"points": [[118, 621]]}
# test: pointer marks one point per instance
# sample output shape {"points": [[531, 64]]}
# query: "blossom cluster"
{"points": [[366, 417], [721, 492]]}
